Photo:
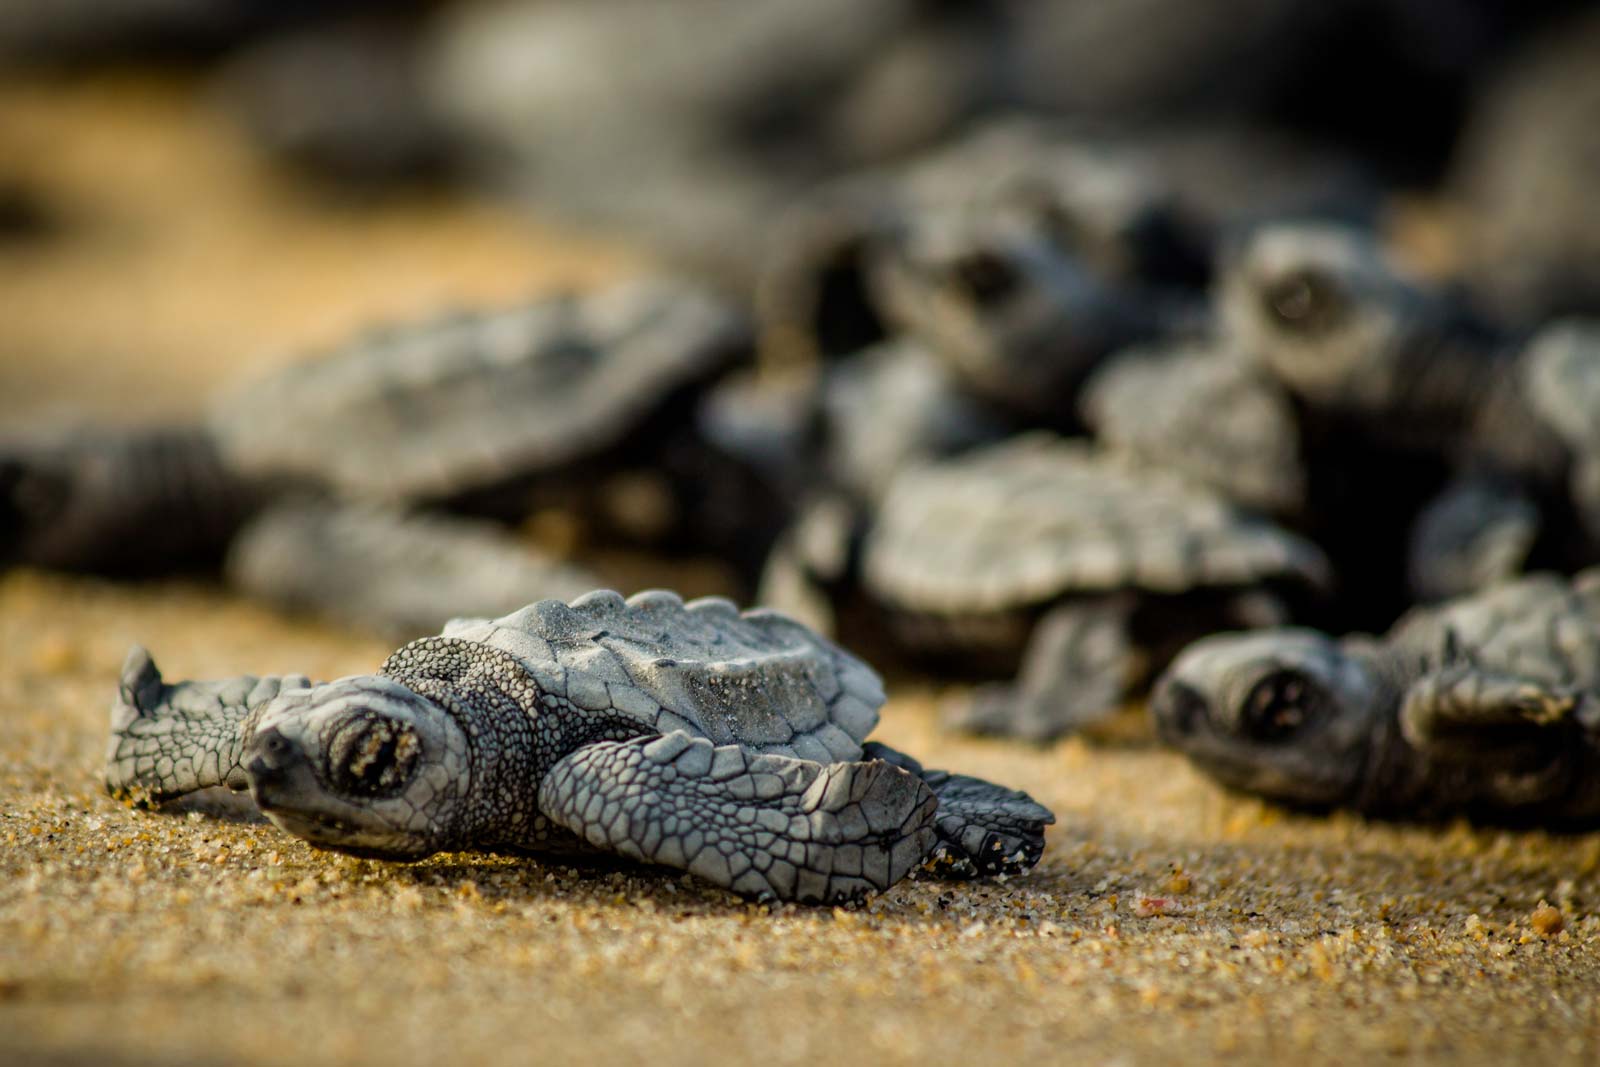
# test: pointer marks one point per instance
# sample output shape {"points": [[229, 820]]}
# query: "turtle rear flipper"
{"points": [[983, 828], [764, 826], [168, 740]]}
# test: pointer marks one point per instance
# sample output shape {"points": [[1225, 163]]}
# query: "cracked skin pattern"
{"points": [[689, 735]]}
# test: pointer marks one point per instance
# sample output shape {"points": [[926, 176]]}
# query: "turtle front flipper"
{"points": [[983, 828], [764, 826], [1467, 714], [168, 740], [1473, 534]]}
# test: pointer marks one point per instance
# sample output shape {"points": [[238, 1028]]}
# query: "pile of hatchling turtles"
{"points": [[1091, 416]]}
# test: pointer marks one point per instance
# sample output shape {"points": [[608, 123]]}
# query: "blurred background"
{"points": [[194, 193], [191, 187]]}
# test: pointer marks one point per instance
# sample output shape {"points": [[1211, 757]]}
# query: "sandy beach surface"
{"points": [[1169, 922]]}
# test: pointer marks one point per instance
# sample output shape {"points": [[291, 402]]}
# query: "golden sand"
{"points": [[1168, 923]]}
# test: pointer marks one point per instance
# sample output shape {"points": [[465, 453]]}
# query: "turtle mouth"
{"points": [[328, 832], [307, 824]]}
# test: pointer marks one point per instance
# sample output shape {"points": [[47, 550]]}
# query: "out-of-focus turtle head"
{"points": [[1283, 713], [1322, 309]]}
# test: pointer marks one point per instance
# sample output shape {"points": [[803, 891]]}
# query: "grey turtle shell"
{"points": [[757, 679], [1038, 517], [1204, 410], [468, 402]]}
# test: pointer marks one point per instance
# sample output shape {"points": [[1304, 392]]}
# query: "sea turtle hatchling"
{"points": [[690, 735], [1412, 406], [1019, 256], [1487, 706], [570, 401], [1101, 565]]}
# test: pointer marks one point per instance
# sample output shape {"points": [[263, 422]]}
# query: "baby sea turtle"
{"points": [[1487, 706], [1367, 347], [1410, 406], [579, 402], [1327, 312], [467, 408], [1098, 562], [1017, 255], [690, 735]]}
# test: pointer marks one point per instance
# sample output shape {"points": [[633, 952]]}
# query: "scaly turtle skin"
{"points": [[1095, 560], [1488, 706], [689, 735]]}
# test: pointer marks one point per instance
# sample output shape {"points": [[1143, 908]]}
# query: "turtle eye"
{"points": [[1304, 301], [1279, 706], [373, 755]]}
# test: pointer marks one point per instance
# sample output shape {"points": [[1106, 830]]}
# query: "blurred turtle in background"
{"points": [[576, 402], [1090, 567], [1018, 257], [890, 406], [343, 100], [689, 123], [1413, 409], [732, 109], [1488, 706], [1524, 176], [1202, 409]]}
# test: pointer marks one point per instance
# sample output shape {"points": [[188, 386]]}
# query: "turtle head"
{"points": [[1288, 714], [1000, 296], [361, 765], [1320, 307]]}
